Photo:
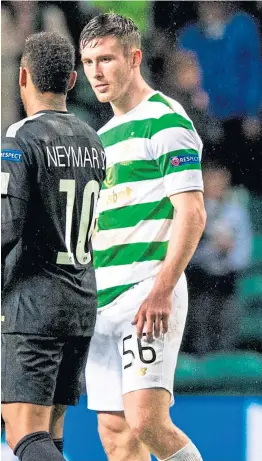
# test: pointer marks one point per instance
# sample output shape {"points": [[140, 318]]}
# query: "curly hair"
{"points": [[111, 24], [50, 59]]}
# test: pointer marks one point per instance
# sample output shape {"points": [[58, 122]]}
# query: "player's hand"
{"points": [[153, 315]]}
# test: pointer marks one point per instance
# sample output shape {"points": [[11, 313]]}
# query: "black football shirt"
{"points": [[53, 166]]}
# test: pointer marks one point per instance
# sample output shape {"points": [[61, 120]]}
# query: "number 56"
{"points": [[141, 351]]}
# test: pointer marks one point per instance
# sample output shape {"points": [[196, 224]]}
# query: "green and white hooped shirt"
{"points": [[152, 152]]}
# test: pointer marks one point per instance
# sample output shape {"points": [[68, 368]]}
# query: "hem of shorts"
{"points": [[185, 189], [87, 334], [156, 386], [35, 402], [149, 386], [102, 409]]}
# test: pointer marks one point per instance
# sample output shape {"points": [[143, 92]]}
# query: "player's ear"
{"points": [[72, 80], [136, 58], [22, 76]]}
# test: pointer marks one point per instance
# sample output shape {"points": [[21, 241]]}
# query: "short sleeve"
{"points": [[14, 170], [177, 149]]}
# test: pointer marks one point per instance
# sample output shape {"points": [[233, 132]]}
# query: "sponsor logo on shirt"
{"points": [[13, 155], [181, 160], [114, 197]]}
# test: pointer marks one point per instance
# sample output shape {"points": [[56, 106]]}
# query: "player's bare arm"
{"points": [[187, 228]]}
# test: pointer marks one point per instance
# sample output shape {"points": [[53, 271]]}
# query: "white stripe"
{"points": [[150, 190], [107, 277], [175, 138], [144, 232], [145, 110], [128, 151], [167, 140], [12, 130], [177, 107], [183, 181]]}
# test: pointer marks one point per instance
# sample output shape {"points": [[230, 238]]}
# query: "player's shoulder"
{"points": [[170, 121], [157, 111], [15, 155], [12, 148], [18, 137], [166, 105], [16, 130], [152, 108], [166, 113]]}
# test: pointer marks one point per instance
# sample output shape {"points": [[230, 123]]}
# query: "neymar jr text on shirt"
{"points": [[61, 156]]}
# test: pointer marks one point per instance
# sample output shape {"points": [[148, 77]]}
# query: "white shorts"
{"points": [[118, 362]]}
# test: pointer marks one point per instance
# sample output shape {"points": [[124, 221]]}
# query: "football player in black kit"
{"points": [[52, 169]]}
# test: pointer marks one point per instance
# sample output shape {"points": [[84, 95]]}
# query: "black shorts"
{"points": [[42, 370]]}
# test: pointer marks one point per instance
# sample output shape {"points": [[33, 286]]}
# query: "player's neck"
{"points": [[46, 101], [137, 92]]}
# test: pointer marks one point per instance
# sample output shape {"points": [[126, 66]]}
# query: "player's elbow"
{"points": [[196, 215], [200, 212], [196, 210]]}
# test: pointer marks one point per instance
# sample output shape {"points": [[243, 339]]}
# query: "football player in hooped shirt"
{"points": [[151, 217]]}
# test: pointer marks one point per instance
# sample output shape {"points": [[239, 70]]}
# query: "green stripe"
{"points": [[143, 128], [136, 170], [140, 170], [110, 294], [130, 253], [159, 98], [130, 216], [166, 167], [177, 169]]}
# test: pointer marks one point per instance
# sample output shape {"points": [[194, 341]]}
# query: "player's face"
{"points": [[107, 67]]}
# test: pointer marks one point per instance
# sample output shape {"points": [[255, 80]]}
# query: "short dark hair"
{"points": [[50, 59], [111, 24]]}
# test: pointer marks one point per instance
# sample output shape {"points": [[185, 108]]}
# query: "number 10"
{"points": [[69, 186]]}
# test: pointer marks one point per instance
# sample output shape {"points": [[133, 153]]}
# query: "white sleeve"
{"points": [[177, 150]]}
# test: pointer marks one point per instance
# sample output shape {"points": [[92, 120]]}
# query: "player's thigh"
{"points": [[68, 383], [152, 364], [30, 366], [146, 407], [103, 372]]}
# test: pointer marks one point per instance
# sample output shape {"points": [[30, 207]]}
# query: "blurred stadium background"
{"points": [[207, 55]]}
